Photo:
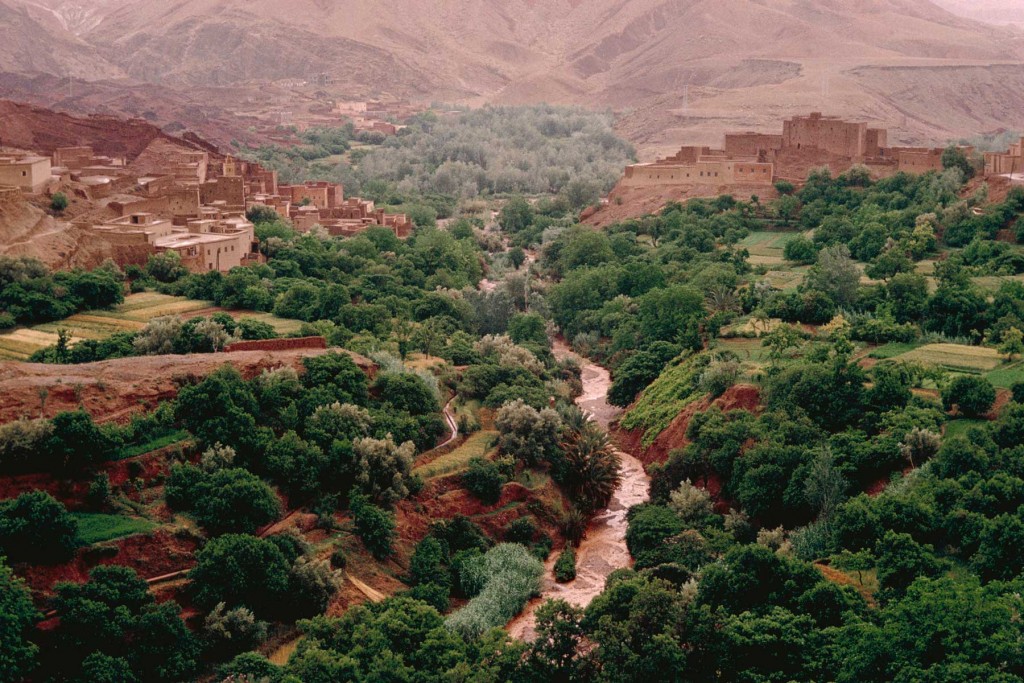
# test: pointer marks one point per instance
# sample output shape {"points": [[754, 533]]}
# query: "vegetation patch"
{"points": [[94, 527], [663, 400], [502, 581]]}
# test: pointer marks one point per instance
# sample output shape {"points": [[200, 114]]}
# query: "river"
{"points": [[604, 548]]}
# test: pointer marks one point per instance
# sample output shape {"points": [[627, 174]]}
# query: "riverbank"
{"points": [[603, 550]]}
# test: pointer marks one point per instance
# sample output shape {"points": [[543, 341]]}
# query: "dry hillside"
{"points": [[740, 63]]}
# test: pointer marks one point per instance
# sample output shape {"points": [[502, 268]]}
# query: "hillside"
{"points": [[740, 64]]}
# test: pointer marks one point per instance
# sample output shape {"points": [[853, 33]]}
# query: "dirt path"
{"points": [[604, 548], [372, 594]]}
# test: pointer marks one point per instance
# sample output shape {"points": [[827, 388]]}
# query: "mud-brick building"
{"points": [[211, 243], [833, 135], [1010, 162], [26, 172]]}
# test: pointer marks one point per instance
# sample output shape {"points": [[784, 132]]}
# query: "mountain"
{"points": [[32, 39], [992, 11], [693, 66]]}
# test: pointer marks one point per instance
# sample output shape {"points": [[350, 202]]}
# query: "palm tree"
{"points": [[721, 299], [590, 470]]}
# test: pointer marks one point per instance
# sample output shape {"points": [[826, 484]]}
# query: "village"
{"points": [[815, 140], [173, 198]]}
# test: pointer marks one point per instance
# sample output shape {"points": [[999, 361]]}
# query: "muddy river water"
{"points": [[604, 548]]}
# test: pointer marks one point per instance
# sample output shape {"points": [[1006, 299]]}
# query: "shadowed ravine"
{"points": [[604, 548]]}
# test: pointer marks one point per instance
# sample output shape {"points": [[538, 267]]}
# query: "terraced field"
{"points": [[972, 359], [131, 316]]}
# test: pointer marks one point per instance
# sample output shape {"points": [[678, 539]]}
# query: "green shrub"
{"points": [[484, 480], [565, 567], [338, 559], [374, 526], [521, 531], [974, 396], [59, 202]]}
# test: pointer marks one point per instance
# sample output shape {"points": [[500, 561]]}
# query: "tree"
{"points": [[636, 624], [526, 433], [220, 409], [35, 527], [17, 622], [115, 615], [234, 501], [940, 626], [338, 373], [835, 274], [166, 266], [76, 442], [374, 527], [581, 193], [972, 396], [312, 584], [672, 314], [825, 484], [231, 631], [955, 157], [891, 389], [405, 391], [240, 570], [383, 469], [800, 250], [1012, 343], [589, 469], [1000, 555], [901, 560], [428, 563], [516, 215], [780, 340]]}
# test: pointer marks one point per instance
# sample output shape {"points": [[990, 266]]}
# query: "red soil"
{"points": [[116, 389], [152, 554], [147, 467]]}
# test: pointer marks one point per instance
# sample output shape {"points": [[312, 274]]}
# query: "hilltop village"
{"points": [[749, 164]]}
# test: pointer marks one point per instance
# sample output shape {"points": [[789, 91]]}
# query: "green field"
{"points": [[96, 528], [131, 316], [961, 427], [1006, 377]]}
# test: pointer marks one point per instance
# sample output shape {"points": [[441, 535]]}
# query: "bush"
{"points": [[565, 566], [338, 559], [504, 580], [374, 527], [428, 563], [521, 531], [973, 396], [59, 202], [484, 480], [231, 631], [311, 585]]}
